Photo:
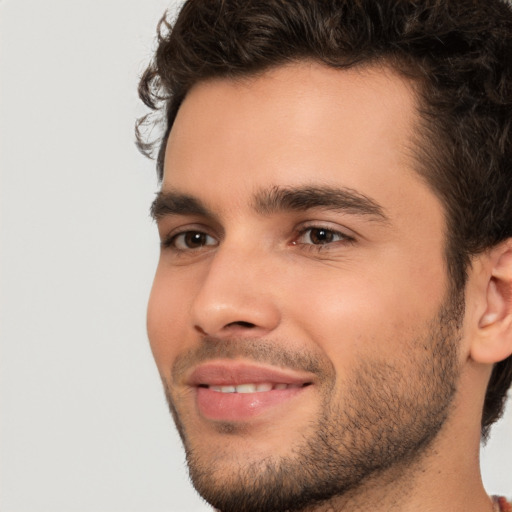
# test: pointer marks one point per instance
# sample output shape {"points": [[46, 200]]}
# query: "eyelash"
{"points": [[343, 237], [170, 241]]}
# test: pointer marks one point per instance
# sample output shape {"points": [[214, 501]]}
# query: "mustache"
{"points": [[272, 352]]}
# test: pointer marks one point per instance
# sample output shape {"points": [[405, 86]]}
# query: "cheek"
{"points": [[370, 310]]}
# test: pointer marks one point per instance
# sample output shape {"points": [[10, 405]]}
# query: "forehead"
{"points": [[295, 125]]}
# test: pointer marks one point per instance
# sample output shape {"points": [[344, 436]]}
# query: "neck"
{"points": [[420, 486]]}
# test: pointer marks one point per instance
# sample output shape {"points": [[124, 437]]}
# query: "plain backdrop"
{"points": [[84, 425]]}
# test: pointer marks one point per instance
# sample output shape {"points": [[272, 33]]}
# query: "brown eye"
{"points": [[320, 236], [190, 240]]}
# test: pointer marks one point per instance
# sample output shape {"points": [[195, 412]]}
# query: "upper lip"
{"points": [[233, 373]]}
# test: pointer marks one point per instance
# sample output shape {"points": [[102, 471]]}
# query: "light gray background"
{"points": [[84, 426]]}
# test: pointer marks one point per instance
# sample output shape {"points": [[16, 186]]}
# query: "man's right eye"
{"points": [[190, 240]]}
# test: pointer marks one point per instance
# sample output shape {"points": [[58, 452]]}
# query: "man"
{"points": [[332, 311]]}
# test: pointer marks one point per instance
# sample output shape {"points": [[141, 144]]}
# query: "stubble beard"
{"points": [[391, 413]]}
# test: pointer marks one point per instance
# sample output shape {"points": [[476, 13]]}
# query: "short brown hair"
{"points": [[459, 52]]}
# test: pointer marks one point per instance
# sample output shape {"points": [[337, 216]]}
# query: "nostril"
{"points": [[247, 325], [200, 330], [242, 324]]}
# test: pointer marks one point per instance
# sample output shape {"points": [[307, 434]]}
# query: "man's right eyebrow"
{"points": [[173, 203]]}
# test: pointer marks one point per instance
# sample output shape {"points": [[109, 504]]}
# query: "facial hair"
{"points": [[392, 410]]}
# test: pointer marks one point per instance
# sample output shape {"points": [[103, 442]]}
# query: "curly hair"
{"points": [[458, 53]]}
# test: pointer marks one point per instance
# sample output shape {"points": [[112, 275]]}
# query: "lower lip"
{"points": [[215, 405]]}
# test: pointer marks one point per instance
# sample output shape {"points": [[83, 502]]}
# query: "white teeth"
{"points": [[223, 389], [250, 388], [263, 387], [246, 388]]}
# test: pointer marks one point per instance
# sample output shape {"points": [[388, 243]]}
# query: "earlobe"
{"points": [[493, 342]]}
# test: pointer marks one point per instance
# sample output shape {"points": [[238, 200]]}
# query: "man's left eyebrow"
{"points": [[346, 200], [173, 203]]}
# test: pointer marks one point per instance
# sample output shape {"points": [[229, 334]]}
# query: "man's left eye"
{"points": [[320, 236]]}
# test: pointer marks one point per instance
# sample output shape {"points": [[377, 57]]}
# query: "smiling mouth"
{"points": [[254, 388], [241, 391]]}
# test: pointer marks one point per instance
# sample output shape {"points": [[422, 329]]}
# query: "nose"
{"points": [[236, 296]]}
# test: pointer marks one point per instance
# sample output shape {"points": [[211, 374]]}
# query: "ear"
{"points": [[493, 340]]}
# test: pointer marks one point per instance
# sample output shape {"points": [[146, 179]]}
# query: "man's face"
{"points": [[301, 267]]}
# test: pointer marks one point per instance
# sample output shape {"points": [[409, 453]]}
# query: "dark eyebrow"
{"points": [[277, 199], [172, 203]]}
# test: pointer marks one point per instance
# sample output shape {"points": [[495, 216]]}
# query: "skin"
{"points": [[376, 287]]}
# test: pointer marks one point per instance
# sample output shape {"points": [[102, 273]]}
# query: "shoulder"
{"points": [[503, 504]]}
